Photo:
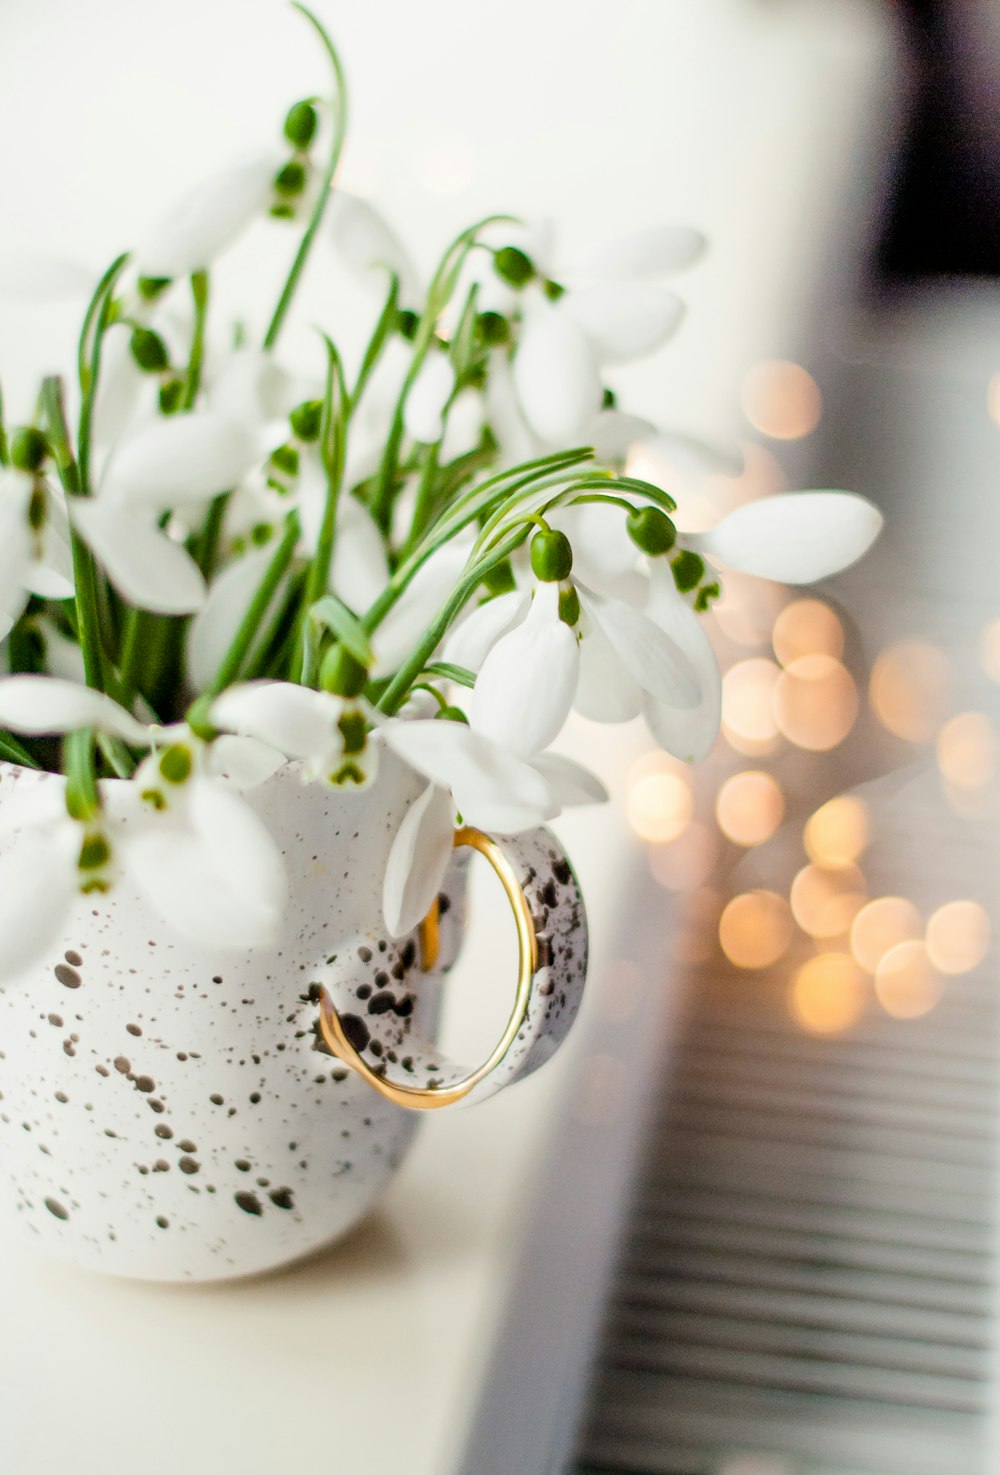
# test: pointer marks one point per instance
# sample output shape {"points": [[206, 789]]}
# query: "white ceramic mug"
{"points": [[173, 1113]]}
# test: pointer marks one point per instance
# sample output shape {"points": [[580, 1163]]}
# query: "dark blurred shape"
{"points": [[945, 216]]}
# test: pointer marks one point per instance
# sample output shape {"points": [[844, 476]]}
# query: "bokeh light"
{"points": [[967, 750], [748, 719], [828, 994], [781, 399], [807, 627], [755, 929], [838, 831], [825, 900], [958, 936], [910, 688], [660, 806], [989, 650], [882, 925], [749, 807], [906, 982], [815, 702]]}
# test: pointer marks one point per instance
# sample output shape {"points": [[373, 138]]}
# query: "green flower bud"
{"points": [[514, 266], [341, 673], [688, 570], [451, 714], [150, 288], [608, 399], [28, 448], [305, 419], [552, 290], [170, 396], [261, 533], [500, 579], [175, 764], [301, 122], [149, 351], [95, 852], [291, 180], [407, 322], [282, 211], [651, 530], [286, 459], [569, 605], [551, 556], [493, 327]]}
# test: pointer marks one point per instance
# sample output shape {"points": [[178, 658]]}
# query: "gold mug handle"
{"points": [[545, 898]]}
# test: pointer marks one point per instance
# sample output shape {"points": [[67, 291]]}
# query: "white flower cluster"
{"points": [[214, 561]]}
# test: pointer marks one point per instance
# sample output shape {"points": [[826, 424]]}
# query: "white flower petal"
{"points": [[488, 777], [145, 566], [518, 442], [299, 722], [15, 548], [37, 887], [469, 643], [689, 456], [38, 705], [646, 651], [181, 459], [243, 761], [63, 657], [570, 782], [199, 226], [366, 241], [418, 860], [50, 572], [613, 433], [606, 691], [650, 252], [525, 690], [359, 572], [214, 627], [555, 376], [429, 393], [624, 320], [394, 639], [36, 277], [218, 880], [690, 734], [796, 537], [465, 425], [602, 548], [250, 387]]}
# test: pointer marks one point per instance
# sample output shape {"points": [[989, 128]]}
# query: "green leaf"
{"points": [[449, 672], [11, 751], [332, 614]]}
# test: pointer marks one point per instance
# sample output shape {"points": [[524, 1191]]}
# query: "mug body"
{"points": [[172, 1113]]}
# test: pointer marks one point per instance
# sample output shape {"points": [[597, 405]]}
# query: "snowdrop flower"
{"points": [[611, 313], [178, 830], [176, 462], [328, 733], [207, 219], [35, 556], [367, 243]]}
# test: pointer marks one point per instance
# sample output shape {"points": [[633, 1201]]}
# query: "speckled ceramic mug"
{"points": [[173, 1113]]}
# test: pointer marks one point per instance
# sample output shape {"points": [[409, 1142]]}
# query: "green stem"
{"points": [[339, 108], [99, 317], [192, 379], [82, 798], [205, 546], [250, 624], [423, 509], [12, 752]]}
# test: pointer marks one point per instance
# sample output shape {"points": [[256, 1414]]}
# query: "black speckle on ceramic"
{"points": [[170, 1112]]}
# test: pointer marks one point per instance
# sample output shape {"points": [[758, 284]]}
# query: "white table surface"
{"points": [[740, 116]]}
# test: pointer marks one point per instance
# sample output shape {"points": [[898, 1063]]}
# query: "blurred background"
{"points": [[761, 1238]]}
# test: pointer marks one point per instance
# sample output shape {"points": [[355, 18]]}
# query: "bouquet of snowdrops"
{"points": [[214, 561]]}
